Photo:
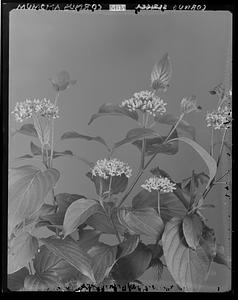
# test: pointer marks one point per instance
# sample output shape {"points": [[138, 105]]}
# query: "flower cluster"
{"points": [[25, 110], [220, 118], [145, 101], [161, 184], [113, 167], [188, 105]]}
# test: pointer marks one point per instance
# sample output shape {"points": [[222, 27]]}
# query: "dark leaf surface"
{"points": [[192, 230], [15, 281], [27, 129]]}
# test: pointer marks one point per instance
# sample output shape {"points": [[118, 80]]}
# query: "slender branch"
{"points": [[223, 175], [173, 128], [159, 203], [212, 141]]}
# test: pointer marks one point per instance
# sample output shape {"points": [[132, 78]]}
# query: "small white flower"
{"points": [[145, 101], [24, 110], [188, 105], [161, 184], [220, 118], [113, 167]]}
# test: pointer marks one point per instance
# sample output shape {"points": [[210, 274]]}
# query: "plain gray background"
{"points": [[112, 56]]}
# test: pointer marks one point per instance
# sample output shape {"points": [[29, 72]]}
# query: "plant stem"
{"points": [[174, 127], [30, 269], [212, 141], [159, 203], [52, 135], [221, 148]]}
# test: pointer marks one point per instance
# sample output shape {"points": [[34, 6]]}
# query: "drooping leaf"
{"points": [[49, 270], [142, 221], [76, 135], [128, 246], [15, 281], [28, 187], [118, 184], [103, 256], [109, 109], [135, 134], [69, 250], [170, 206], [192, 230], [26, 156], [170, 119], [157, 268], [157, 145], [161, 74], [61, 81], [20, 251], [208, 159], [220, 257], [132, 266], [27, 129], [189, 268], [77, 213]]}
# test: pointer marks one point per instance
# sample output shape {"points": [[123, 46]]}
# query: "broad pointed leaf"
{"points": [[36, 151], [135, 134], [109, 109], [170, 119], [142, 221], [161, 74], [192, 230], [69, 250], [132, 266], [20, 251], [189, 268], [28, 187], [208, 159], [77, 213], [88, 238], [15, 281], [76, 135], [157, 145], [103, 257], [27, 129]]}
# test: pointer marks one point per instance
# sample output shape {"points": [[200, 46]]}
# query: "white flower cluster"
{"points": [[25, 110], [220, 118], [145, 101], [113, 167], [188, 105], [161, 184]]}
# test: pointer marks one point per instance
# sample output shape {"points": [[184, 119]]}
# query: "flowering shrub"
{"points": [[168, 213]]}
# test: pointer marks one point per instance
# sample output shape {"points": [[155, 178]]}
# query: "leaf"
{"points": [[28, 187], [77, 213], [169, 204], [210, 162], [63, 201], [15, 281], [26, 156], [157, 268], [118, 184], [36, 150], [156, 145], [103, 257], [192, 230], [161, 74], [75, 135], [27, 129], [220, 257], [170, 119], [69, 250], [61, 81], [109, 109], [128, 246], [156, 249], [49, 270], [101, 222], [142, 221], [132, 266], [20, 251], [135, 134], [189, 268], [88, 238]]}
